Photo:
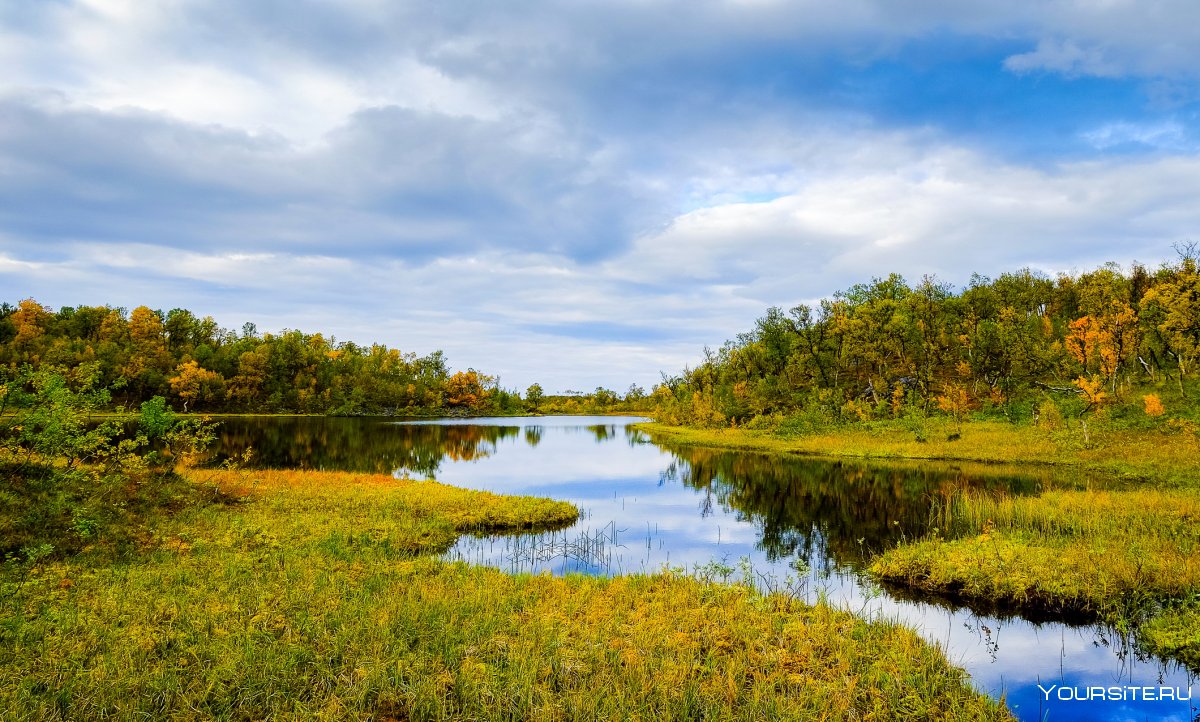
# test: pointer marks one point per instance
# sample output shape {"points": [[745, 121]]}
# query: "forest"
{"points": [[1018, 346], [201, 367]]}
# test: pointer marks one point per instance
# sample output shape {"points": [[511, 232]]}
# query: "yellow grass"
{"points": [[310, 599]]}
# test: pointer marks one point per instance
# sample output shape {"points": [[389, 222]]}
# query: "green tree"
{"points": [[1175, 304], [53, 416], [534, 395]]}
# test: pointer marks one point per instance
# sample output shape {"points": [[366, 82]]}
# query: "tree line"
{"points": [[887, 348], [201, 367]]}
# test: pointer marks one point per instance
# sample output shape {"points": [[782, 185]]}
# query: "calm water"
{"points": [[800, 526]]}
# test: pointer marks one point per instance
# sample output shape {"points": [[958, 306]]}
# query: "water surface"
{"points": [[795, 525]]}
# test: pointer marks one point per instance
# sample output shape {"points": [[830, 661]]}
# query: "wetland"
{"points": [[807, 528]]}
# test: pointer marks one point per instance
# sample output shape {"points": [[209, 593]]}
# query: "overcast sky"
{"points": [[579, 193]]}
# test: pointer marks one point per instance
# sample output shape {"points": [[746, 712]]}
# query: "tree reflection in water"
{"points": [[357, 445], [802, 504], [835, 511]]}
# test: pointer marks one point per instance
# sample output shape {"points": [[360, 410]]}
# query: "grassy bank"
{"points": [[310, 595], [1129, 557], [1164, 456], [1087, 551]]}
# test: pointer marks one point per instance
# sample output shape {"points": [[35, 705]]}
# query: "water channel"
{"points": [[793, 525]]}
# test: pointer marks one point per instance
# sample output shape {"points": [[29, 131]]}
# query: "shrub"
{"points": [[72, 480]]}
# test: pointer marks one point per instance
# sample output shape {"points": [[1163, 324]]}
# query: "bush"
{"points": [[71, 480], [1049, 416]]}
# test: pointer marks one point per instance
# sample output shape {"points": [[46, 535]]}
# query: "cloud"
{"points": [[578, 193], [389, 181], [1067, 57], [1164, 135], [947, 213], [904, 203], [301, 68]]}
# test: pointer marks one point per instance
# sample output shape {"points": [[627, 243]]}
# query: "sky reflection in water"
{"points": [[731, 513]]}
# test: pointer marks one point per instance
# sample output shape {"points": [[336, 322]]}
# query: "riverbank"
{"points": [[1162, 456], [1127, 554], [308, 595]]}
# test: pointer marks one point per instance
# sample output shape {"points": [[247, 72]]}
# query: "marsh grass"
{"points": [[1165, 454], [1175, 632], [1122, 556], [313, 598]]}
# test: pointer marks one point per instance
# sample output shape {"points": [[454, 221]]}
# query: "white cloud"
{"points": [[1168, 135], [950, 213], [202, 66], [1066, 57]]}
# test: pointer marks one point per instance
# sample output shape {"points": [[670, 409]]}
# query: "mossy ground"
{"points": [[314, 598]]}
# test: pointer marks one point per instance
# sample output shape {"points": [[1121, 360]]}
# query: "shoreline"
{"points": [[1121, 553], [1121, 455]]}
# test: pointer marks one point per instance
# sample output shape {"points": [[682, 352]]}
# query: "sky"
{"points": [[579, 193]]}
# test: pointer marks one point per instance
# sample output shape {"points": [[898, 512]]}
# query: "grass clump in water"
{"points": [[1116, 555], [311, 599], [1175, 632]]}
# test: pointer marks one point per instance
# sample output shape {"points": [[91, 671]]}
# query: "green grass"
{"points": [[1163, 455], [1122, 556], [313, 598]]}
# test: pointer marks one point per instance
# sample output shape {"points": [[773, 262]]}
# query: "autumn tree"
{"points": [[1174, 303], [1091, 390], [148, 363], [1105, 343], [246, 387], [955, 400], [468, 389], [30, 321], [192, 383]]}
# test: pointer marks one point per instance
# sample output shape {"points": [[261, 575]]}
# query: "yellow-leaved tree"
{"points": [[1175, 304], [1094, 396], [469, 389], [192, 382], [956, 401]]}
